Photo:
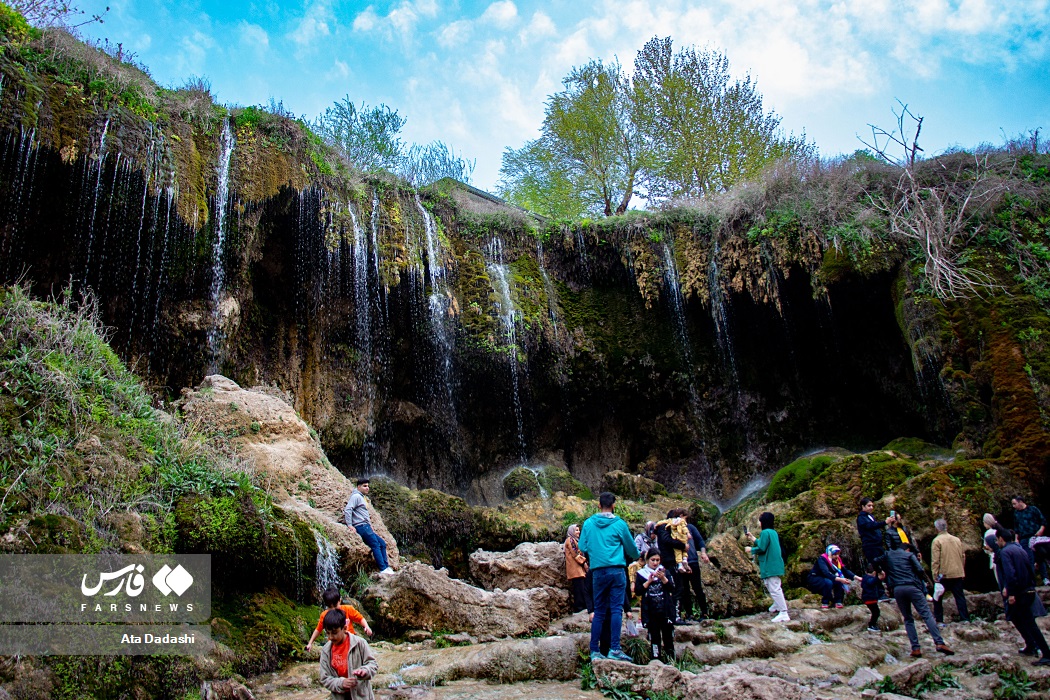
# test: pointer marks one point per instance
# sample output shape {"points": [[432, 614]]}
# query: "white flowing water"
{"points": [[720, 315], [218, 281], [677, 302], [439, 304], [327, 575], [508, 316]]}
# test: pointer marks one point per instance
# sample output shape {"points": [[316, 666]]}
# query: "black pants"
{"points": [[683, 582], [661, 636], [955, 587], [1021, 616], [873, 608], [581, 594]]}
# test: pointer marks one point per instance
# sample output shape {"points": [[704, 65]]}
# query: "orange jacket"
{"points": [[575, 562]]}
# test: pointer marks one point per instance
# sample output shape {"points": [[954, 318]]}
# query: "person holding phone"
{"points": [[657, 589], [770, 558]]}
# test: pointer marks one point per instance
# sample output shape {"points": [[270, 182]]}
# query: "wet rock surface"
{"points": [[529, 565]]}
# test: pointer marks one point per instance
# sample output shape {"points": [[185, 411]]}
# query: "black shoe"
{"points": [[1045, 661], [1028, 652], [680, 621]]}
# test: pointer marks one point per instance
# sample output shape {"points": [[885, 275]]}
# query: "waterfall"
{"points": [[327, 575], [507, 313], [720, 316], [548, 288], [439, 303], [681, 330], [222, 193]]}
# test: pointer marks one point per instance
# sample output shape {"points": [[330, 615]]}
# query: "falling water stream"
{"points": [[498, 273], [218, 281]]}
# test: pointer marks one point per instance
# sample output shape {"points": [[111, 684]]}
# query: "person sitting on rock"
{"points": [[576, 569], [332, 600], [830, 578], [347, 662], [908, 579], [357, 516], [657, 589]]}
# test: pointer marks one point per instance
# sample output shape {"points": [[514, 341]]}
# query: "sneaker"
{"points": [[916, 653], [387, 570], [945, 649], [1045, 661], [873, 628], [680, 621], [838, 605], [617, 655], [1028, 652], [823, 606], [596, 655], [1046, 581], [782, 617]]}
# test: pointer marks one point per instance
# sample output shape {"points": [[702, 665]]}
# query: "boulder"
{"points": [[865, 676], [529, 565], [632, 486], [731, 581], [421, 597], [726, 682], [287, 460], [908, 676]]}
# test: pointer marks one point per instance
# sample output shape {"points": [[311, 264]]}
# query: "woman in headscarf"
{"points": [[990, 545], [830, 578], [645, 541], [576, 569]]}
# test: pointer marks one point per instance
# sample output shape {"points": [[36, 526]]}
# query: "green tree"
{"points": [[369, 137], [589, 145], [422, 165], [707, 131]]}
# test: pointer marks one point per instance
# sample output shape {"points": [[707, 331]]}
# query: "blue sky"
{"points": [[476, 74]]}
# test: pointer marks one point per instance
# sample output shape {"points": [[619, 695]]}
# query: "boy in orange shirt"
{"points": [[331, 600]]}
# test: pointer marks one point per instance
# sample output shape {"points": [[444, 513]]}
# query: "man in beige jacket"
{"points": [[347, 662], [948, 562]]}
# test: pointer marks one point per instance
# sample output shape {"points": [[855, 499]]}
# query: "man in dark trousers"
{"points": [[906, 575], [1019, 590], [667, 545], [871, 531], [697, 553], [1030, 523]]}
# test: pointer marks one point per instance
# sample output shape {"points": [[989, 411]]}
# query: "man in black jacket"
{"points": [[697, 553], [1018, 590], [870, 530], [905, 574], [668, 545]]}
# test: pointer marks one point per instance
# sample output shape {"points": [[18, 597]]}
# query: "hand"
{"points": [[751, 537], [361, 672], [368, 630], [704, 558], [349, 683], [858, 579], [628, 614], [1011, 600], [309, 646], [591, 617], [747, 550]]}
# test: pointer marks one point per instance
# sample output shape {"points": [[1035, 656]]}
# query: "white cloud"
{"points": [[339, 71], [193, 50], [539, 27], [313, 27], [502, 14], [254, 37], [401, 20], [366, 21], [455, 33]]}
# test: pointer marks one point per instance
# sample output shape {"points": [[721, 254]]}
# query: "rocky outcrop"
{"points": [[529, 565], [731, 581], [421, 597], [286, 460], [723, 683]]}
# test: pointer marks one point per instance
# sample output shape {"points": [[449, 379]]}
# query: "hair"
{"points": [[1020, 499], [331, 597], [362, 481], [334, 619], [908, 547], [941, 524], [653, 553], [1005, 533], [869, 568], [766, 520], [865, 501], [606, 499], [989, 520]]}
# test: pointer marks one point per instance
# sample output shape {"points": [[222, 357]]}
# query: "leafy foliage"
{"points": [[1014, 686]]}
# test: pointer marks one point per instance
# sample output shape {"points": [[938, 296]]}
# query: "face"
{"points": [[1018, 505], [654, 562], [868, 507], [336, 636], [363, 488]]}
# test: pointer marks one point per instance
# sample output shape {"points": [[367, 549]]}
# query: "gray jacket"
{"points": [[356, 511], [359, 656]]}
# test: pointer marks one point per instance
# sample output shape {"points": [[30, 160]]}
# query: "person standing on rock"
{"points": [[357, 516], [897, 533], [607, 543], [674, 549], [576, 569], [697, 553], [656, 587], [766, 549], [948, 564], [1029, 523], [871, 531], [908, 579], [1018, 588]]}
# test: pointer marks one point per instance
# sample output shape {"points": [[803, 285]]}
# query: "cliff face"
{"points": [[442, 340]]}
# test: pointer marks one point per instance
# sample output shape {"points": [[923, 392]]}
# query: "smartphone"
{"points": [[747, 531], [893, 514]]}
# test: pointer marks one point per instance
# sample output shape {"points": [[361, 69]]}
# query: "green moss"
{"points": [[632, 486], [798, 476], [521, 483], [554, 479], [917, 448], [13, 26]]}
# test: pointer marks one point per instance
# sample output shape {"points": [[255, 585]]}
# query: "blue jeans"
{"points": [[375, 543], [610, 584]]}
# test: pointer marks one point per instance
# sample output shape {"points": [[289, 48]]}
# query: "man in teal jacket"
{"points": [[606, 541], [770, 565]]}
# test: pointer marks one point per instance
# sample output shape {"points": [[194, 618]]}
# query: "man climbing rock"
{"points": [[907, 577], [607, 543], [357, 516]]}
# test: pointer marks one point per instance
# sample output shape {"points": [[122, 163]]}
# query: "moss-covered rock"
{"points": [[799, 475], [632, 486], [553, 480], [521, 483]]}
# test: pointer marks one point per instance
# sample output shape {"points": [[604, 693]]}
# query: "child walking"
{"points": [[656, 588], [347, 662], [870, 592], [331, 599]]}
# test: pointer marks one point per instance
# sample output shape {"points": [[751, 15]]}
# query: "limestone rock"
{"points": [[908, 676], [632, 486], [731, 581], [865, 676], [419, 596], [726, 682], [529, 565], [405, 692], [287, 460], [225, 690]]}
